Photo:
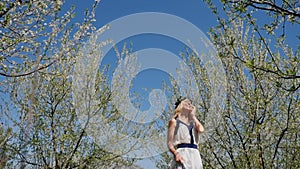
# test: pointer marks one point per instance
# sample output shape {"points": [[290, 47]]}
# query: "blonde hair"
{"points": [[177, 111]]}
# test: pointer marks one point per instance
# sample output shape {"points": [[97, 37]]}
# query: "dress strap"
{"points": [[191, 134]]}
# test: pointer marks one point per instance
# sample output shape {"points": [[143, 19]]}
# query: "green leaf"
{"points": [[250, 63]]}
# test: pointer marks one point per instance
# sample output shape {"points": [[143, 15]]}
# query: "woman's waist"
{"points": [[186, 145]]}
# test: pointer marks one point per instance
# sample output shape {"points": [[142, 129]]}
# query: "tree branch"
{"points": [[11, 6], [27, 73], [274, 8], [283, 131]]}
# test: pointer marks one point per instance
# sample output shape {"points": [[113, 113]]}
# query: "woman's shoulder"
{"points": [[172, 122]]}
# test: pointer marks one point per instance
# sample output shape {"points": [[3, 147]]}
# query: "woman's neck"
{"points": [[184, 116]]}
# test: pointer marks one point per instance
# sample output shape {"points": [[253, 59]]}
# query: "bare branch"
{"points": [[27, 73]]}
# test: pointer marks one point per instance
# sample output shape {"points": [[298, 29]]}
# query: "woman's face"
{"points": [[187, 105]]}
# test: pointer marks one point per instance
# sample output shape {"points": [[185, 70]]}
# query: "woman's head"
{"points": [[182, 104]]}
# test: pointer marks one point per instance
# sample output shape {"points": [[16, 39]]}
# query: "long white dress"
{"points": [[187, 135]]}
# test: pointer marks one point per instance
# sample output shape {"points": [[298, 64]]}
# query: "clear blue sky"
{"points": [[194, 11]]}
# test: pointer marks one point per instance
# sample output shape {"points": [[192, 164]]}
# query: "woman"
{"points": [[183, 136]]}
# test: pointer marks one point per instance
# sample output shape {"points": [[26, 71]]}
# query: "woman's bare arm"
{"points": [[199, 127], [171, 129]]}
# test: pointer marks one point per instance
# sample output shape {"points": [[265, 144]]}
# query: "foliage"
{"points": [[259, 128], [39, 46], [259, 125]]}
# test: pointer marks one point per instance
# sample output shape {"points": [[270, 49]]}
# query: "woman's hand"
{"points": [[198, 125], [178, 158], [193, 112]]}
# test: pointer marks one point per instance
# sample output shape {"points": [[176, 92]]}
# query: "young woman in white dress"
{"points": [[183, 136]]}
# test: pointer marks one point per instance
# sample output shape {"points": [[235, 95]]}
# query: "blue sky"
{"points": [[194, 11]]}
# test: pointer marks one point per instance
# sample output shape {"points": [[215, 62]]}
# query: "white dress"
{"points": [[187, 138]]}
